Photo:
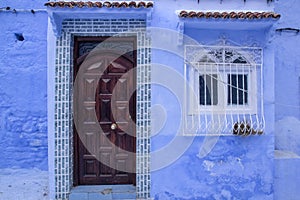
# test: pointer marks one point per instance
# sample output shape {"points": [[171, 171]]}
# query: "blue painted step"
{"points": [[98, 192]]}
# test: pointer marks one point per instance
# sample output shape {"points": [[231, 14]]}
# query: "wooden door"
{"points": [[105, 152]]}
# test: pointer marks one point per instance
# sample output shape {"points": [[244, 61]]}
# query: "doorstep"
{"points": [[99, 192]]}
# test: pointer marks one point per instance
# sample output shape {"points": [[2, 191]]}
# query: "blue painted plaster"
{"points": [[236, 168], [23, 94], [287, 61], [286, 179], [287, 101], [19, 4]]}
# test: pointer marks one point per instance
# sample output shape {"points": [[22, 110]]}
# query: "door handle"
{"points": [[113, 126]]}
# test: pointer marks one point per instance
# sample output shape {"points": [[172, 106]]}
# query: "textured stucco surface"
{"points": [[23, 104], [21, 184], [287, 102], [19, 4], [225, 173], [236, 168]]}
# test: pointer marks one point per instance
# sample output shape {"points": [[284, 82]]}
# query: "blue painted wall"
{"points": [[23, 86], [287, 61], [287, 102], [236, 168], [19, 4]]}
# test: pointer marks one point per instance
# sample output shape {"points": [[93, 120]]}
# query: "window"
{"points": [[225, 90], [237, 91], [222, 87], [208, 89]]}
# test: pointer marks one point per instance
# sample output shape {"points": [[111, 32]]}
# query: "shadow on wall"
{"points": [[287, 159], [287, 137]]}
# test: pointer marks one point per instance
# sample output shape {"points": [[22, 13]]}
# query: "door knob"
{"points": [[113, 126]]}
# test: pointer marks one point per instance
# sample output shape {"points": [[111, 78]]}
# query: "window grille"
{"points": [[224, 94]]}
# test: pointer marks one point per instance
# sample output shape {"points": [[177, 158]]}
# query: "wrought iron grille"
{"points": [[224, 94]]}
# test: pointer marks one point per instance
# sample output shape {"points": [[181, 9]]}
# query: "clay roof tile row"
{"points": [[107, 4], [229, 15]]}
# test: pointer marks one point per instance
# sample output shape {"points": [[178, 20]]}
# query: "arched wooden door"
{"points": [[105, 152]]}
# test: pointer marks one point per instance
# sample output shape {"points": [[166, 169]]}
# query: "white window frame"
{"points": [[222, 72]]}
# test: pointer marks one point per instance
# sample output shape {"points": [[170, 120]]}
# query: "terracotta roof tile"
{"points": [[107, 4], [229, 15]]}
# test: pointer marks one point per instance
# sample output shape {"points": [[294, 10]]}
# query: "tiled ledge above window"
{"points": [[229, 15], [60, 10], [226, 20]]}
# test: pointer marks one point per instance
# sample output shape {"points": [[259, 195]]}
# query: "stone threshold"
{"points": [[98, 192]]}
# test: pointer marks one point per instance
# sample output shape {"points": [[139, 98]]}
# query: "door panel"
{"points": [[110, 148]]}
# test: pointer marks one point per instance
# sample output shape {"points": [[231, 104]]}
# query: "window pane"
{"points": [[208, 89], [237, 89]]}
